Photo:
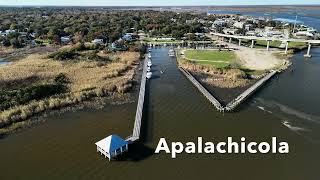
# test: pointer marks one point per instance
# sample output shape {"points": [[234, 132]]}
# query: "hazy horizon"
{"points": [[150, 3]]}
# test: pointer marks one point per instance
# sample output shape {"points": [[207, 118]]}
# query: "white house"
{"points": [[65, 39], [238, 25], [220, 22], [229, 31], [112, 146], [97, 41], [304, 33]]}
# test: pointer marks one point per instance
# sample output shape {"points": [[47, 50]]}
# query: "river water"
{"points": [[286, 107], [3, 62]]}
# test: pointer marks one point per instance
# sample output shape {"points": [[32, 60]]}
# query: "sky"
{"points": [[152, 2]]}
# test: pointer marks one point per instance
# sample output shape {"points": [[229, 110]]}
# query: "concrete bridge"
{"points": [[253, 39]]}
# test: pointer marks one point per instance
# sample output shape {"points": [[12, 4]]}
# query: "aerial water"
{"points": [[287, 107]]}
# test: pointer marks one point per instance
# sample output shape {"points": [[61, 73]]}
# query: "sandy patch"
{"points": [[256, 59]]}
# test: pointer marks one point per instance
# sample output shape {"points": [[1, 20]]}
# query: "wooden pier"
{"points": [[234, 103], [203, 90], [137, 123], [243, 96]]}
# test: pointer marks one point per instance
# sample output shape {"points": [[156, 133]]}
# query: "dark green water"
{"points": [[287, 107]]}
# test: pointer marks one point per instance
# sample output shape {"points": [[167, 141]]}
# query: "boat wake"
{"points": [[304, 124], [293, 128], [264, 109], [286, 110]]}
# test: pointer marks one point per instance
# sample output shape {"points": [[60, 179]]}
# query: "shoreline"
{"points": [[96, 102], [224, 93], [114, 89]]}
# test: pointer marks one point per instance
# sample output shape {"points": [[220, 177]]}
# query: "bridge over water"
{"points": [[253, 39]]}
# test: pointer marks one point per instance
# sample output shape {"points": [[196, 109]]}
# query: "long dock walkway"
{"points": [[234, 103], [203, 90], [137, 123], [243, 96]]}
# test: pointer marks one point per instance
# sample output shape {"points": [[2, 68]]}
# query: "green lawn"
{"points": [[275, 44], [297, 44], [219, 59]]}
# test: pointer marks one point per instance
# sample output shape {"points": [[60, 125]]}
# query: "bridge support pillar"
{"points": [[268, 45], [308, 55], [286, 49], [252, 43], [239, 42]]}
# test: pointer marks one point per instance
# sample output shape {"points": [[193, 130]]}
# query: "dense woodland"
{"points": [[86, 24]]}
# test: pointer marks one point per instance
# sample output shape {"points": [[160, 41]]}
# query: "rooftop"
{"points": [[111, 143]]}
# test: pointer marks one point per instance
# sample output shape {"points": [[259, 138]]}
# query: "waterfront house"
{"points": [[112, 146]]}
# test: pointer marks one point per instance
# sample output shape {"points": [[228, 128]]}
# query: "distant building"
{"points": [[304, 33], [248, 27], [65, 39], [274, 34], [127, 37], [142, 36], [189, 21], [220, 23], [98, 41], [229, 31], [250, 33], [239, 25], [201, 35], [117, 46]]}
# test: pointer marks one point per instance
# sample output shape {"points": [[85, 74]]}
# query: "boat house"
{"points": [[112, 146]]}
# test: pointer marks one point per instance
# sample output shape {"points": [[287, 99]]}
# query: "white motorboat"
{"points": [[148, 69], [171, 53], [149, 55], [149, 74], [149, 64]]}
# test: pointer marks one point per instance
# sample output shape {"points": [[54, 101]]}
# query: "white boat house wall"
{"points": [[112, 146]]}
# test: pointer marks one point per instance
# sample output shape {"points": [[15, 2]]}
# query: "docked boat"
{"points": [[171, 53], [149, 74], [148, 69], [149, 64], [149, 55]]}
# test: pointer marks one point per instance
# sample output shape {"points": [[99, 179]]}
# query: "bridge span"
{"points": [[254, 38]]}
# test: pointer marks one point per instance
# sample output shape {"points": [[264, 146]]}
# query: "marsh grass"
{"points": [[85, 80], [223, 78]]}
